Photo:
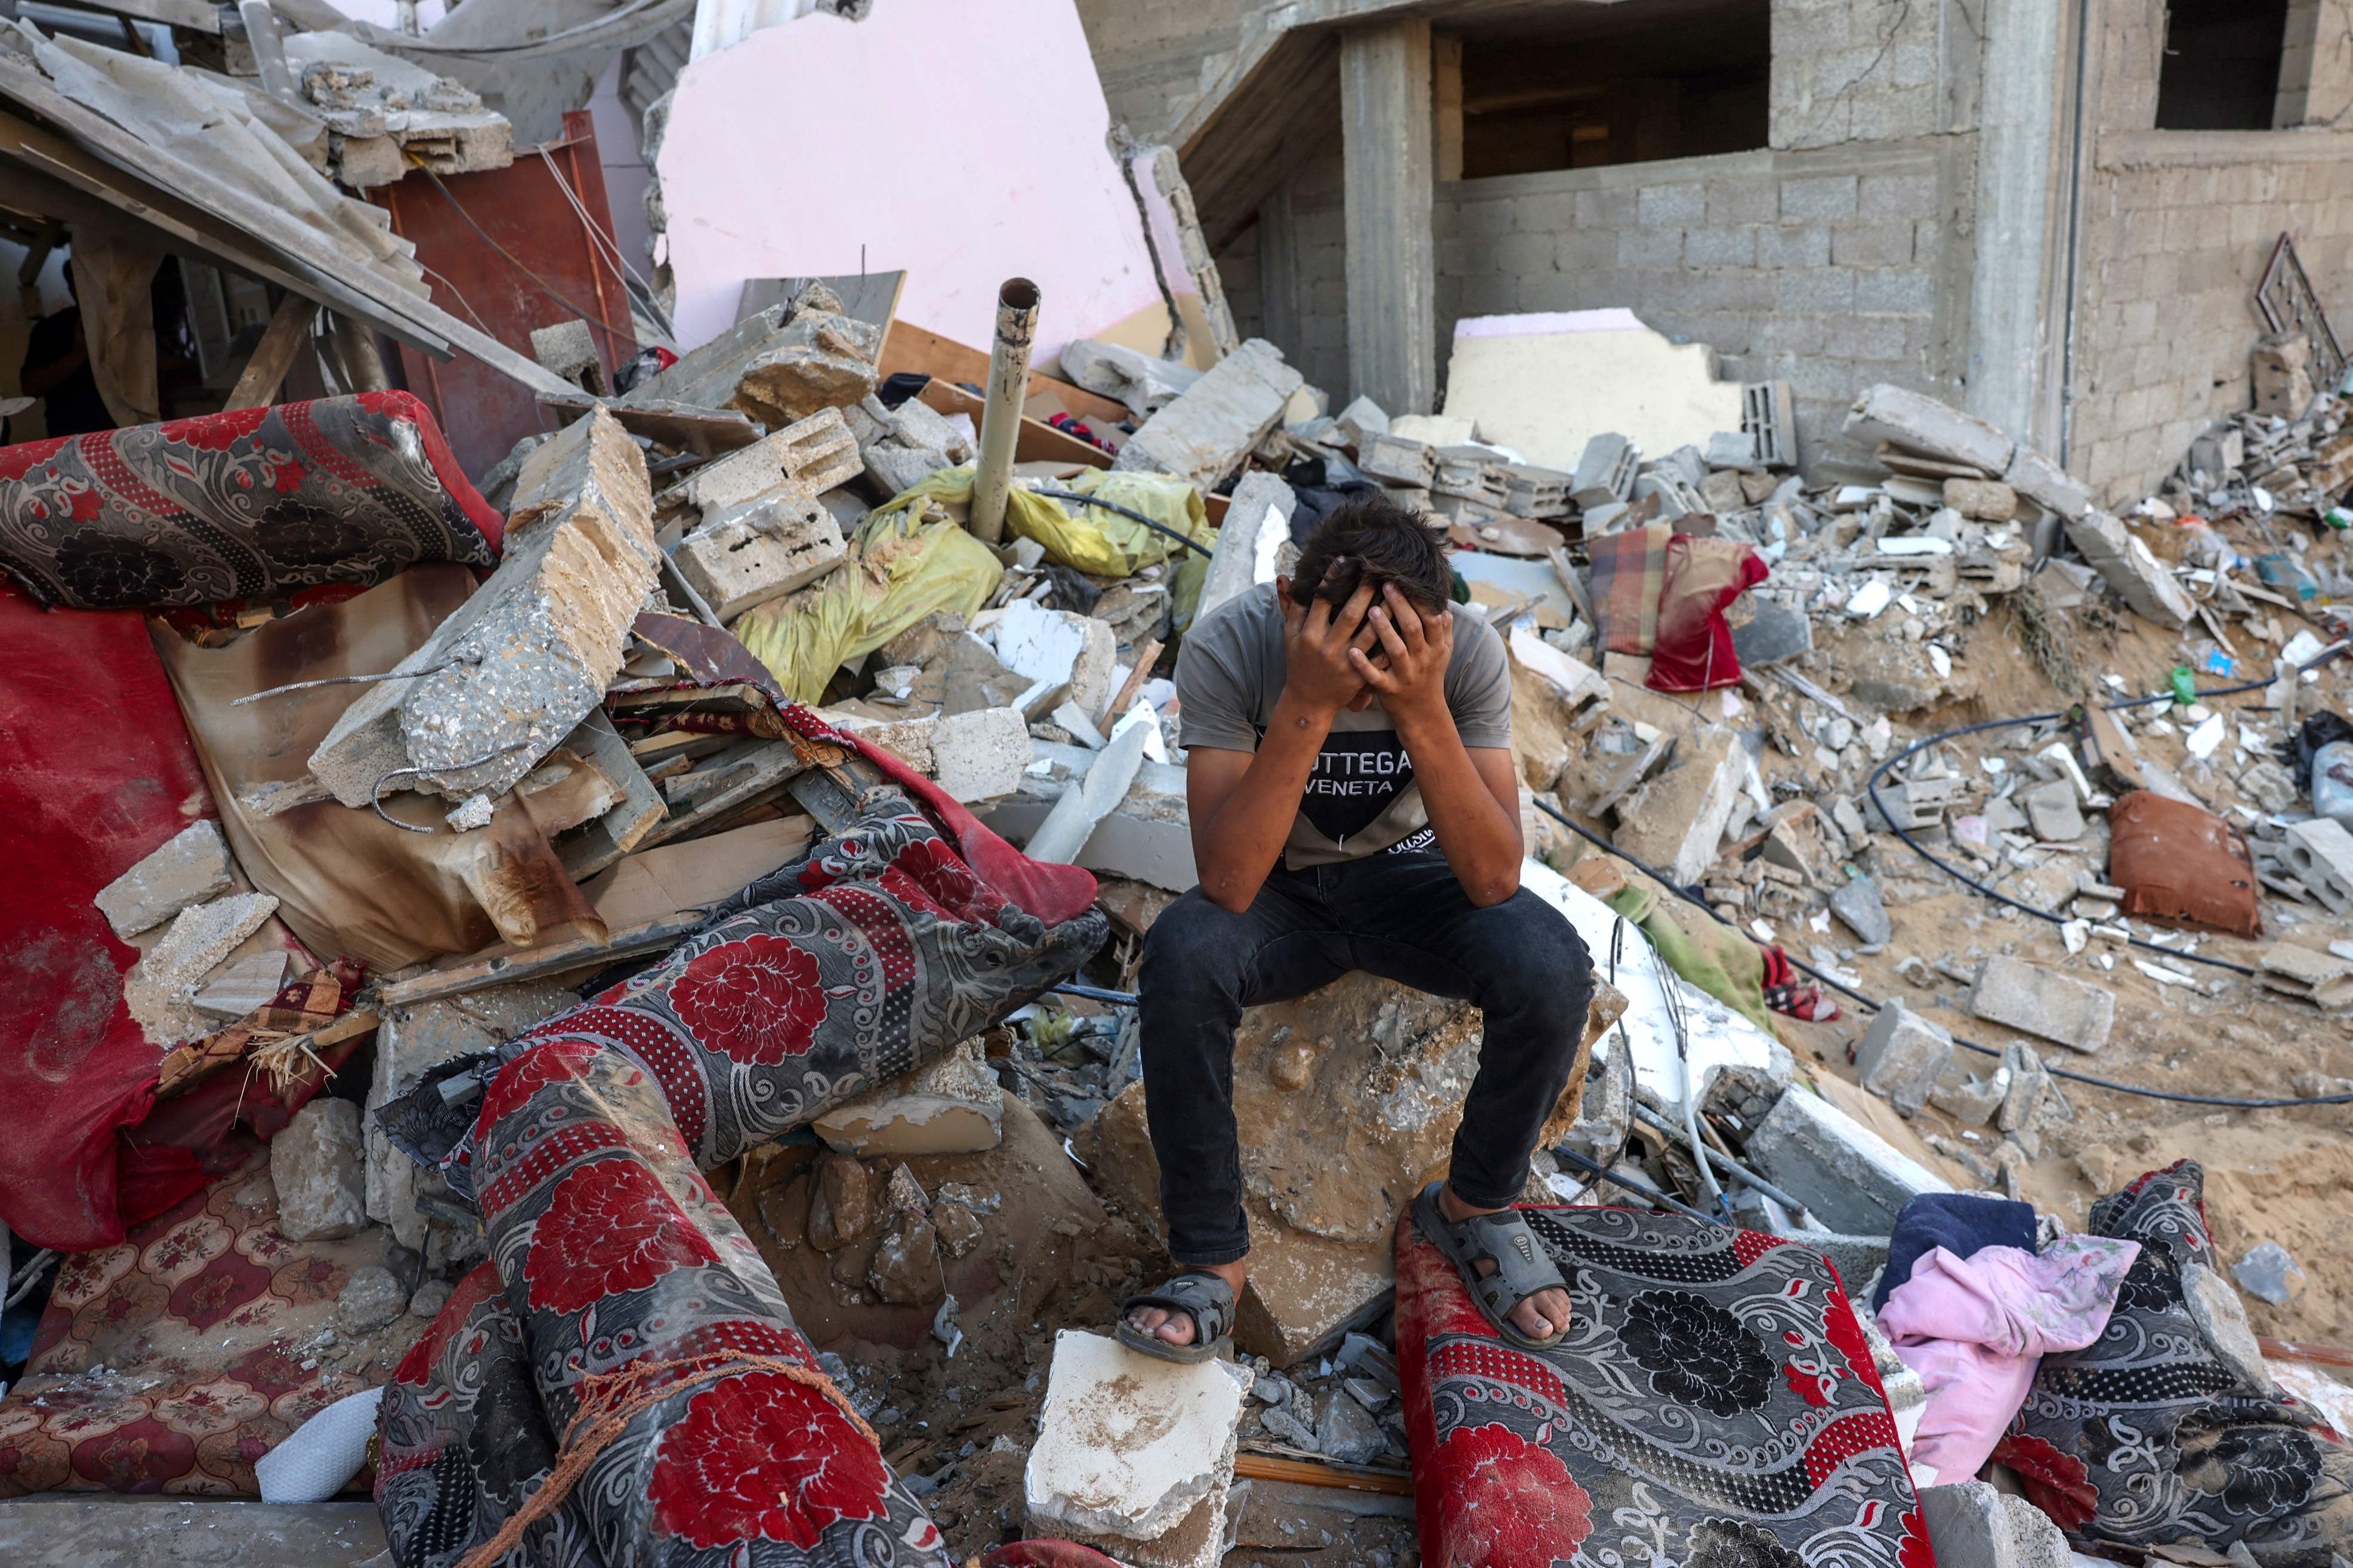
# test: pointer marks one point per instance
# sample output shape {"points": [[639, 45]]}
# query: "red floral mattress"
{"points": [[232, 506], [616, 1269], [1712, 1406]]}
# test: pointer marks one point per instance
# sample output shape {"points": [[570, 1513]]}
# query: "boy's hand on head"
{"points": [[1413, 648], [1319, 650]]}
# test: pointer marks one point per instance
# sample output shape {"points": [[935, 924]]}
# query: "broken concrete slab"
{"points": [[1059, 647], [2221, 1319], [2042, 1003], [1850, 1177], [2045, 482], [761, 549], [158, 988], [316, 1165], [981, 754], [1145, 383], [1987, 501], [1971, 1525], [1135, 1454], [1901, 1057], [1147, 838], [779, 365], [817, 454], [1776, 631], [1909, 419], [2318, 978], [948, 1106], [1203, 433], [2126, 564], [2052, 810], [1676, 819], [192, 865], [1859, 905], [1257, 525], [507, 676], [1086, 801], [409, 1043], [240, 985], [79, 1529]]}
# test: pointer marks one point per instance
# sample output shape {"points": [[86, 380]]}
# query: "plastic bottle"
{"points": [[2332, 781]]}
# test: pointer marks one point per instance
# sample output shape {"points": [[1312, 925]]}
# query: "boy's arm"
{"points": [[1473, 797], [1243, 803]]}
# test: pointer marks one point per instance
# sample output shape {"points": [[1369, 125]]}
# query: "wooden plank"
{"points": [[911, 349], [503, 965], [1039, 442], [663, 884], [706, 432], [287, 334], [625, 826], [770, 769], [1308, 1473]]}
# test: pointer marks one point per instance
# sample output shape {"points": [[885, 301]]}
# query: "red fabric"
{"points": [[1693, 650], [96, 771], [1052, 893], [408, 406]]}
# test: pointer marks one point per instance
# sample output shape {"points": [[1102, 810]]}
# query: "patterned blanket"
{"points": [[232, 506], [619, 1281], [1715, 1405], [2161, 1432]]}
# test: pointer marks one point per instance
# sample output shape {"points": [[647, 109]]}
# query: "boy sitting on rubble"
{"points": [[1354, 805]]}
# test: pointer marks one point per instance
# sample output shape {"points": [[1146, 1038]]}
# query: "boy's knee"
{"points": [[1193, 944], [1542, 962]]}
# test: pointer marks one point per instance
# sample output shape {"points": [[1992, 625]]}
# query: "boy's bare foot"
{"points": [[1177, 1327], [1541, 1315]]}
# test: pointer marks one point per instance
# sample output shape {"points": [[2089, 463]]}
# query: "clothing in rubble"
{"points": [[1975, 1328], [1960, 1223]]}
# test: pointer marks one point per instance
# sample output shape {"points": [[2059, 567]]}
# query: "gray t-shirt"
{"points": [[1361, 799]]}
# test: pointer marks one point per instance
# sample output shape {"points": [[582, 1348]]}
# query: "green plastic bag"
{"points": [[1717, 960], [901, 569]]}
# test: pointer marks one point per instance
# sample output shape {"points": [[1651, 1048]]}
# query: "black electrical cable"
{"points": [[1192, 546], [1870, 787], [1848, 991]]}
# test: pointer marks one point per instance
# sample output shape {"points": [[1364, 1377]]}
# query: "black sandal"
{"points": [[1203, 1297], [1522, 1268]]}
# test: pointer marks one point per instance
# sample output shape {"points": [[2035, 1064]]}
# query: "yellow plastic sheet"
{"points": [[901, 569]]}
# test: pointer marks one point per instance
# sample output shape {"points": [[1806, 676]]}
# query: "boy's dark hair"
{"points": [[1369, 538]]}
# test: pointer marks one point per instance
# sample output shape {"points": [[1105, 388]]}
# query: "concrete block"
{"points": [[1059, 647], [159, 987], [569, 351], [1857, 1258], [2040, 479], [1258, 523], [239, 987], [1149, 838], [2127, 564], [1399, 461], [527, 657], [1605, 472], [1858, 904], [80, 1530], [1971, 1525], [1849, 1176], [2044, 1004], [2293, 969], [761, 549], [315, 1163], [1675, 820], [2320, 853], [2221, 1319], [1901, 1057], [1886, 413], [982, 754], [1206, 432], [192, 865], [2052, 810], [816, 454], [1135, 1454]]}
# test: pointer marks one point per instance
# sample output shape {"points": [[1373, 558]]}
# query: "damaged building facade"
{"points": [[2047, 214]]}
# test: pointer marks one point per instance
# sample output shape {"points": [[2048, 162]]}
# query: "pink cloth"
{"points": [[1975, 1328]]}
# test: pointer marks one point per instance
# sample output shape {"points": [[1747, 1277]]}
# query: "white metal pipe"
{"points": [[1000, 418]]}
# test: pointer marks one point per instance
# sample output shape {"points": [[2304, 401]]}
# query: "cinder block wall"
{"points": [[1828, 269], [1153, 55], [2177, 228]]}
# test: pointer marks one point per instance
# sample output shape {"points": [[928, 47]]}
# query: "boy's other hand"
{"points": [[1319, 651], [1409, 673]]}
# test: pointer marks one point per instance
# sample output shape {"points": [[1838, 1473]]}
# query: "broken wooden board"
{"points": [[499, 965], [913, 349], [661, 884], [682, 426]]}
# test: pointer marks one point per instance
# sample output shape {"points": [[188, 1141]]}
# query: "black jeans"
{"points": [[1402, 917]]}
